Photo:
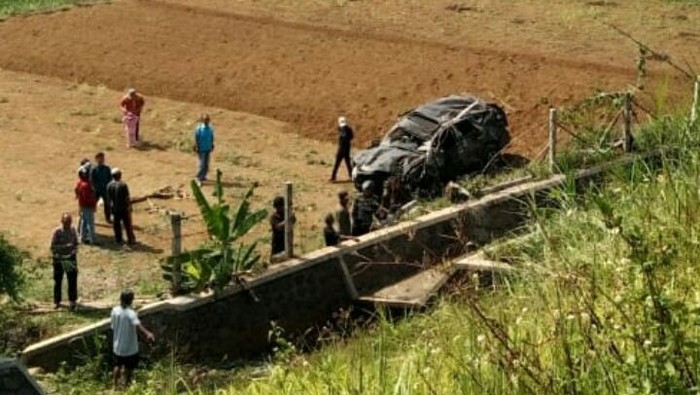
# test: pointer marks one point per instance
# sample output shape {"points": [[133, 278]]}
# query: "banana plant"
{"points": [[222, 258]]}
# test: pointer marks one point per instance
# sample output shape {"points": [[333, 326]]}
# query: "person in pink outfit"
{"points": [[132, 105]]}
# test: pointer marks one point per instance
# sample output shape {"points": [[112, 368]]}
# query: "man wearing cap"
{"points": [[118, 195], [345, 136], [364, 210], [132, 104], [203, 145]]}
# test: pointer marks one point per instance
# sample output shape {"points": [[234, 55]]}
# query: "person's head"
{"points": [[131, 92], [126, 298], [117, 174], [84, 161], [342, 121], [278, 204], [204, 118], [329, 220], [83, 174], [66, 220], [368, 188], [343, 198], [100, 158]]}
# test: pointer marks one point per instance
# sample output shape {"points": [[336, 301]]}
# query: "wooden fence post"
{"points": [[627, 123], [552, 139], [289, 225], [696, 102], [176, 224]]}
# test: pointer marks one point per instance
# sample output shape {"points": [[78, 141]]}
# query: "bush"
{"points": [[11, 276]]}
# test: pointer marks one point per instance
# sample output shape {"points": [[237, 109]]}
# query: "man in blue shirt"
{"points": [[203, 145]]}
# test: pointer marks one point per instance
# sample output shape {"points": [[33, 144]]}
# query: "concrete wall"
{"points": [[301, 293]]}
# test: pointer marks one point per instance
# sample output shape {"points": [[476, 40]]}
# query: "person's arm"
{"points": [[346, 238], [127, 197], [196, 139], [54, 242], [73, 241], [122, 104], [148, 334], [277, 225], [212, 139]]}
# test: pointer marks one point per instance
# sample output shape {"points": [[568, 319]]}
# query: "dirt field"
{"points": [[308, 73], [50, 125], [297, 65]]}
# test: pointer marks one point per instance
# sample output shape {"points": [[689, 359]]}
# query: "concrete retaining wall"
{"points": [[304, 292]]}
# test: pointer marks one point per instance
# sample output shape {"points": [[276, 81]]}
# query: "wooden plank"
{"points": [[412, 292], [479, 264]]}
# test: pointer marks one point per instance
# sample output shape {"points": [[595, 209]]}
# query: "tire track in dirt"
{"points": [[302, 75]]}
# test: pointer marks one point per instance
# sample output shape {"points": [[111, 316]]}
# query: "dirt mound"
{"points": [[303, 75]]}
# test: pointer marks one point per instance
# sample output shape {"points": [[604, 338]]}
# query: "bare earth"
{"points": [[297, 65]]}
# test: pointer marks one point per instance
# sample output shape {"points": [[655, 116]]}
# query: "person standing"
{"points": [[118, 195], [125, 325], [87, 204], [330, 235], [277, 225], [132, 105], [343, 214], [364, 210], [203, 145], [100, 177], [345, 136], [64, 251]]}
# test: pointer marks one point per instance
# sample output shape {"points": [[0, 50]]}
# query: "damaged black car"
{"points": [[434, 144]]}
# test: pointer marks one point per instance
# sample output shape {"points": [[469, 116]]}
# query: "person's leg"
{"points": [[84, 233], [207, 155], [348, 162], [131, 239], [136, 129], [106, 206], [90, 217], [338, 159], [200, 166], [117, 226], [57, 281], [116, 375], [72, 275], [131, 362]]}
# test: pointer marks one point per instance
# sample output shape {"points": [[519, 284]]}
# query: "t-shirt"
{"points": [[85, 194], [124, 322], [133, 105], [204, 137], [331, 237], [100, 176], [64, 242], [277, 234], [344, 222], [118, 193]]}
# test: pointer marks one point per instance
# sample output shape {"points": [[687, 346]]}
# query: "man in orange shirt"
{"points": [[132, 104]]}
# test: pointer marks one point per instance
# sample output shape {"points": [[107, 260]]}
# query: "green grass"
{"points": [[605, 302], [9, 8]]}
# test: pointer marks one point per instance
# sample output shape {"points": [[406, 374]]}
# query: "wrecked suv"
{"points": [[434, 144]]}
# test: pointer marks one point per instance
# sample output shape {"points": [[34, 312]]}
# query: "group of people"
{"points": [[95, 182]]}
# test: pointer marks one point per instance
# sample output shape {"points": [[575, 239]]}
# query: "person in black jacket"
{"points": [[345, 136]]}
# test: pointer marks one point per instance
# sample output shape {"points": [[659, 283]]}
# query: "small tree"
{"points": [[217, 262], [11, 276]]}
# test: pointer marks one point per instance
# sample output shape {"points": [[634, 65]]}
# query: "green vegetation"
{"points": [[214, 264], [11, 276], [604, 302], [10, 8]]}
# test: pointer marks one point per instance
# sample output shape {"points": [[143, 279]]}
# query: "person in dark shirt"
{"points": [[364, 210], [277, 224], [100, 177], [64, 251], [343, 214], [118, 194], [345, 136], [330, 235]]}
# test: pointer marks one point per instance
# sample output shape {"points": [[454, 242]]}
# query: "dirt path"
{"points": [[300, 74], [49, 125]]}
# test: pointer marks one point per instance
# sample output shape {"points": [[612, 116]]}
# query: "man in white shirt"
{"points": [[125, 344]]}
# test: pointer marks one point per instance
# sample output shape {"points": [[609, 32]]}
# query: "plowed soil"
{"points": [[301, 74]]}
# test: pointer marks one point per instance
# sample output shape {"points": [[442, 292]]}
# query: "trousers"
{"points": [[69, 266], [119, 219], [203, 165], [343, 154]]}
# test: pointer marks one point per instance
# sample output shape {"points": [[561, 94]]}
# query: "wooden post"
{"points": [[696, 102], [289, 226], [552, 139], [176, 224], [627, 123]]}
